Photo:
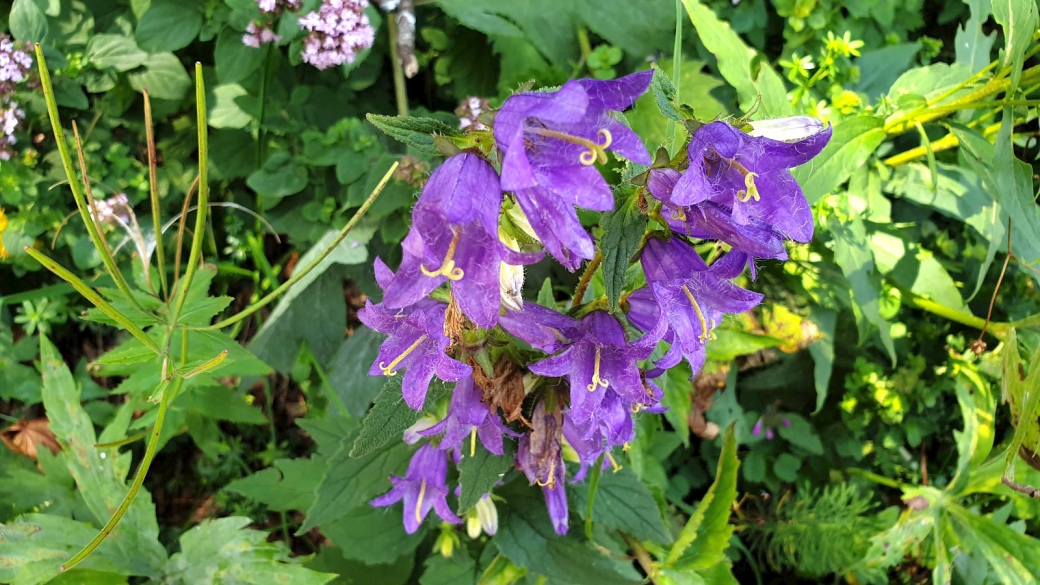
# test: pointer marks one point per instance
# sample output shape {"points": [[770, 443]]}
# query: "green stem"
{"points": [[121, 442], [945, 143], [586, 277], [203, 201], [299, 274], [74, 185], [880, 479], [153, 191], [597, 470], [142, 470], [94, 298], [400, 93]]}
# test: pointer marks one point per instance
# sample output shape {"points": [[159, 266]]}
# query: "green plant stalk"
{"points": [[94, 298], [597, 471], [400, 92], [142, 470], [203, 203], [670, 133], [945, 143], [121, 442], [153, 193], [586, 277], [299, 274], [325, 381], [77, 191]]}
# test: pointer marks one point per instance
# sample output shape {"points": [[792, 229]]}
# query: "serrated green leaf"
{"points": [[664, 94], [372, 535], [415, 132], [1021, 389], [479, 473], [973, 47], [1012, 556], [330, 559], [526, 537], [390, 416], [1019, 20], [625, 503], [288, 485], [220, 403], [223, 551], [705, 537], [352, 481], [624, 232]]}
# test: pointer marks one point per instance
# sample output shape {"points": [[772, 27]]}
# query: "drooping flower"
{"points": [[454, 237], [543, 328], [482, 517], [750, 175], [551, 141], [423, 487], [339, 31], [416, 343], [691, 297], [468, 416], [540, 456], [599, 358], [611, 427]]}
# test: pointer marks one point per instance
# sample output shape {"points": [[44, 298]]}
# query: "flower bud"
{"points": [[790, 129]]}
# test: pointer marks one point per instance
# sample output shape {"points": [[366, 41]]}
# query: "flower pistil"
{"points": [[594, 151], [596, 380], [389, 370]]}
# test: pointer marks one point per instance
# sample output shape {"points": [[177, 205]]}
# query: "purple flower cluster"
{"points": [[455, 298], [338, 31], [15, 66]]}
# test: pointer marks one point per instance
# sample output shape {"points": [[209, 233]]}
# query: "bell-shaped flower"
{"points": [[541, 327], [454, 237], [540, 456], [422, 488], [599, 358], [692, 297], [750, 175], [551, 142], [612, 426], [468, 416], [416, 343]]}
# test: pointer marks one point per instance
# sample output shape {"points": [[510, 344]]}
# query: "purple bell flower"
{"points": [[542, 328], [551, 142], [540, 456], [691, 296], [612, 426], [599, 358], [468, 416], [416, 343], [423, 487], [454, 237], [750, 175]]}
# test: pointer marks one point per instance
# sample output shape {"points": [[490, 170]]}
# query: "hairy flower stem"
{"points": [[299, 274], [586, 277]]}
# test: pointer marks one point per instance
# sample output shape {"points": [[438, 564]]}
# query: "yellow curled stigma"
{"points": [[678, 214], [551, 481], [705, 331], [613, 462], [448, 268], [745, 195], [418, 501], [473, 442], [596, 380], [389, 370], [595, 151]]}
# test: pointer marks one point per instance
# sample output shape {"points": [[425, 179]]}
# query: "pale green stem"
{"points": [[153, 189], [400, 93]]}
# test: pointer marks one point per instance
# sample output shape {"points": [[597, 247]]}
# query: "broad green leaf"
{"points": [[880, 68], [1021, 388], [973, 47], [390, 416], [975, 440], [623, 502], [547, 24], [526, 537], [730, 343], [1019, 20], [852, 253], [234, 60], [330, 559], [916, 269], [288, 485], [372, 535], [822, 352], [224, 110], [736, 62], [168, 25], [350, 482], [199, 307], [28, 22], [786, 467], [1015, 192], [347, 372], [232, 153], [854, 141], [638, 27], [696, 90], [480, 470], [703, 541], [929, 82], [801, 434], [163, 76], [1011, 555], [116, 51], [220, 403], [677, 388], [458, 569], [624, 233], [415, 132], [224, 551], [99, 474], [281, 176]]}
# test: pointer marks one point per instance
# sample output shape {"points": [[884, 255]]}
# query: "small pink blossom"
{"points": [[339, 30]]}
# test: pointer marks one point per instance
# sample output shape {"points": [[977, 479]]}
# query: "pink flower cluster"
{"points": [[261, 32], [339, 30], [469, 112], [15, 66]]}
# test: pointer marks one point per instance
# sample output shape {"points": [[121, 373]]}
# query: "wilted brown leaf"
{"points": [[24, 437], [505, 390]]}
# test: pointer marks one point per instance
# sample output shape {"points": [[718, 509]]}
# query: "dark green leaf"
{"points": [[638, 27], [289, 485], [526, 537], [624, 233], [221, 403], [390, 416], [281, 176], [822, 352], [168, 25], [802, 434], [116, 51], [348, 371], [480, 470], [677, 389], [234, 60], [547, 24], [330, 559], [415, 132], [28, 22], [458, 569], [786, 467], [624, 502], [372, 535]]}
